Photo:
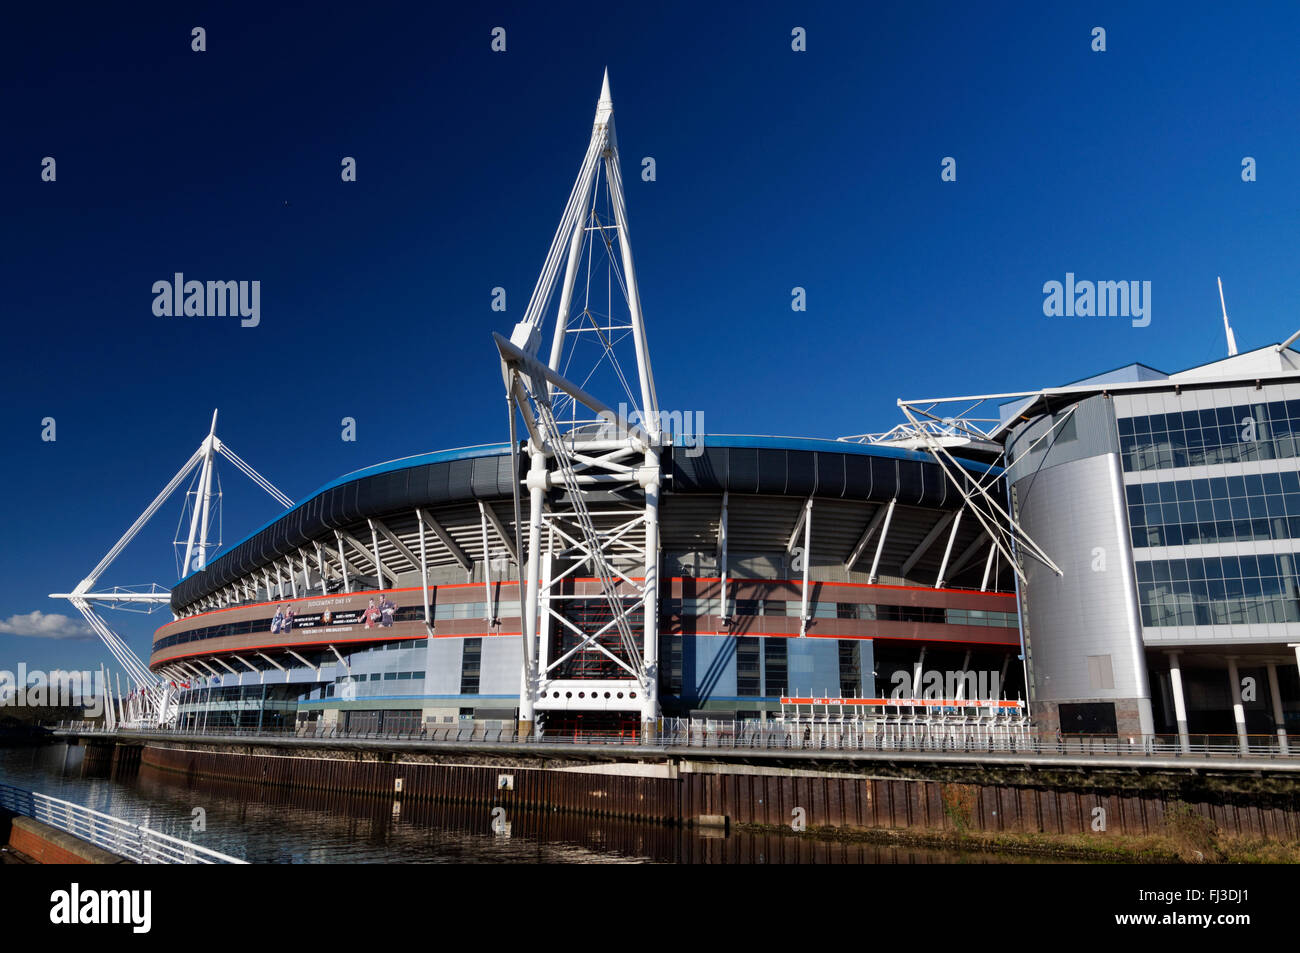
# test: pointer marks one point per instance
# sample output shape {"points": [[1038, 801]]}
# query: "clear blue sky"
{"points": [[819, 169]]}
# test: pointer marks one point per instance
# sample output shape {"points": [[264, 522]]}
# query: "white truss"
{"points": [[961, 428], [594, 477], [153, 698], [965, 432]]}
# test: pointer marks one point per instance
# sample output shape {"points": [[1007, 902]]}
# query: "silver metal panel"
{"points": [[502, 660], [1089, 433], [1075, 512], [442, 667]]}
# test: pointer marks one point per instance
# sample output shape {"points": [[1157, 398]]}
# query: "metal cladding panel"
{"points": [[501, 662], [803, 473], [311, 511], [275, 544], [708, 667], [385, 492], [884, 479], [436, 483], [800, 473], [830, 474], [321, 508], [858, 477], [271, 545], [813, 667], [198, 580], [1075, 512], [349, 510], [328, 509], [491, 477], [483, 478], [911, 482], [245, 557], [341, 505], [295, 529], [741, 470], [442, 668], [460, 480], [1091, 432], [707, 471]]}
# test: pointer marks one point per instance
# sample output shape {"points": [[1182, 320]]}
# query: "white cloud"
{"points": [[46, 625]]}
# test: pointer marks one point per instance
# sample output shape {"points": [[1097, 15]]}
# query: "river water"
{"points": [[277, 826]]}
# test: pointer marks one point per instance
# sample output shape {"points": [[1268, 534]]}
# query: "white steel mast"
{"points": [[572, 533], [156, 697]]}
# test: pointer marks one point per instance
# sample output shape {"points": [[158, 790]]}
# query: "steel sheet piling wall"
{"points": [[639, 798], [742, 795]]}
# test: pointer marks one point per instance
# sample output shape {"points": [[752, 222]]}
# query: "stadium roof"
{"points": [[493, 481]]}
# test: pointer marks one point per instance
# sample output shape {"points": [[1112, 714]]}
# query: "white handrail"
{"points": [[129, 841]]}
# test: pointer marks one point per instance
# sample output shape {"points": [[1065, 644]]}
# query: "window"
{"points": [[748, 675], [775, 662], [1219, 590], [470, 662], [910, 614], [791, 609], [855, 610], [699, 607], [670, 665], [1261, 431], [850, 668], [446, 611], [1215, 510]]}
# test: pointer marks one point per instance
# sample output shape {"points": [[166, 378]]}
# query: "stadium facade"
{"points": [[1169, 505], [390, 598]]}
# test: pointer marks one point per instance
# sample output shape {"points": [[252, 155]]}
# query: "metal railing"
{"points": [[122, 838], [793, 736]]}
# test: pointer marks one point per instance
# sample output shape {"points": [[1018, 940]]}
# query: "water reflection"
{"points": [[276, 825]]}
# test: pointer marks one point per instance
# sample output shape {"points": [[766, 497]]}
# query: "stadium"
{"points": [[1114, 556], [790, 567]]}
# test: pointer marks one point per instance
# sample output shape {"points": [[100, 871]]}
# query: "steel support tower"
{"points": [[153, 697], [590, 578]]}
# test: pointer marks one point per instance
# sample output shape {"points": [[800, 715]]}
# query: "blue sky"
{"points": [[776, 169]]}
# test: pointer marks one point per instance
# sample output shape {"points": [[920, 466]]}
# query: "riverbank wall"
{"points": [[828, 794]]}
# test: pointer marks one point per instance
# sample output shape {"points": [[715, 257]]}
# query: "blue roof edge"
{"points": [[715, 440]]}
